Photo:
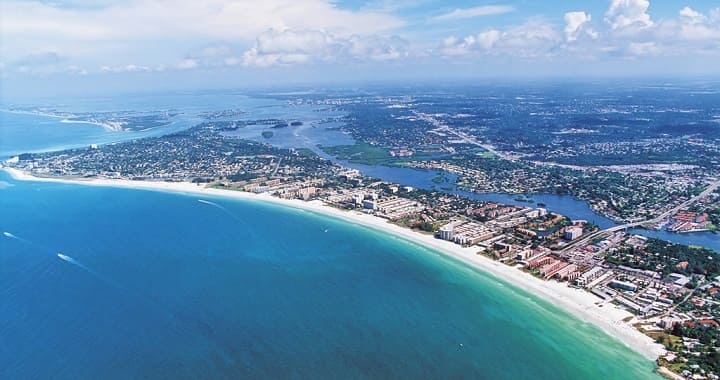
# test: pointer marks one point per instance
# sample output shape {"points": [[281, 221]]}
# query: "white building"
{"points": [[447, 232], [573, 233]]}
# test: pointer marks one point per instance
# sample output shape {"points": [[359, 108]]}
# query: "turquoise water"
{"points": [[28, 133], [24, 133], [162, 285]]}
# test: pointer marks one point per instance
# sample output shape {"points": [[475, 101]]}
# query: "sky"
{"points": [[78, 46]]}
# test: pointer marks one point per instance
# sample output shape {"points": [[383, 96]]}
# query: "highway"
{"points": [[473, 141], [711, 188]]}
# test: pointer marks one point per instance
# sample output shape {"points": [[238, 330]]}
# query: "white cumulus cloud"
{"points": [[289, 47], [628, 32], [485, 10], [535, 38], [577, 25], [137, 29], [628, 13]]}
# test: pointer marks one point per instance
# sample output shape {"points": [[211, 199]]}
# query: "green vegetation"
{"points": [[305, 152], [361, 153], [671, 342], [441, 177], [702, 341], [665, 256]]}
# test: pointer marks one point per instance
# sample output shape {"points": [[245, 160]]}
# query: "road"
{"points": [[711, 188], [277, 167], [473, 141]]}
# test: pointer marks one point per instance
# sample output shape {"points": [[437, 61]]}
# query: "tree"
{"points": [[677, 329]]}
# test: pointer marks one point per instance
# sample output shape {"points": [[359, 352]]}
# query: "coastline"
{"points": [[579, 303], [108, 126]]}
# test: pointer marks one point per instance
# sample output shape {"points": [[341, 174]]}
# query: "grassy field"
{"points": [[360, 153]]}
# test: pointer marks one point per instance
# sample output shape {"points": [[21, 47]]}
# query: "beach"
{"points": [[581, 304]]}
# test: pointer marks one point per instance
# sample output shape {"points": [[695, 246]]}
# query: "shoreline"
{"points": [[577, 302], [108, 126]]}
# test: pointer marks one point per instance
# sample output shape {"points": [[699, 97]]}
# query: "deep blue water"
{"points": [[160, 285]]}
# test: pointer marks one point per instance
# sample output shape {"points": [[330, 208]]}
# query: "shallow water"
{"points": [[162, 285]]}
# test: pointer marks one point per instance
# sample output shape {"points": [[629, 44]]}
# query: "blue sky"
{"points": [[162, 43]]}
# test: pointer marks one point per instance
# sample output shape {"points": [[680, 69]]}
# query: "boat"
{"points": [[64, 257], [523, 198]]}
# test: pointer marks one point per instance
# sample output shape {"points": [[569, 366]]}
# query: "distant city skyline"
{"points": [[133, 45]]}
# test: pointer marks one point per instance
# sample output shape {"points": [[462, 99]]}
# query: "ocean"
{"points": [[161, 285]]}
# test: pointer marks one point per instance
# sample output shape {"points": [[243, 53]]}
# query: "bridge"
{"points": [[711, 188]]}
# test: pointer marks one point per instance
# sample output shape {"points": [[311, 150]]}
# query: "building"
{"points": [[573, 233], [369, 204], [589, 276], [678, 279], [447, 231], [624, 285]]}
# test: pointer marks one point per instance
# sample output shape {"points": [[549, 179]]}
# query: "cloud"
{"points": [[218, 55], [628, 13], [577, 25], [138, 29], [692, 16], [628, 33], [289, 47], [39, 60], [535, 38], [147, 36], [130, 68], [483, 41], [715, 15], [43, 64], [485, 10]]}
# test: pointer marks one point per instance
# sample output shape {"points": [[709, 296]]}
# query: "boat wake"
{"points": [[60, 256], [11, 236], [70, 260], [221, 208], [76, 263], [97, 275], [208, 203]]}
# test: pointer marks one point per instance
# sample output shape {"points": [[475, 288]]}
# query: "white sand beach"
{"points": [[580, 303]]}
